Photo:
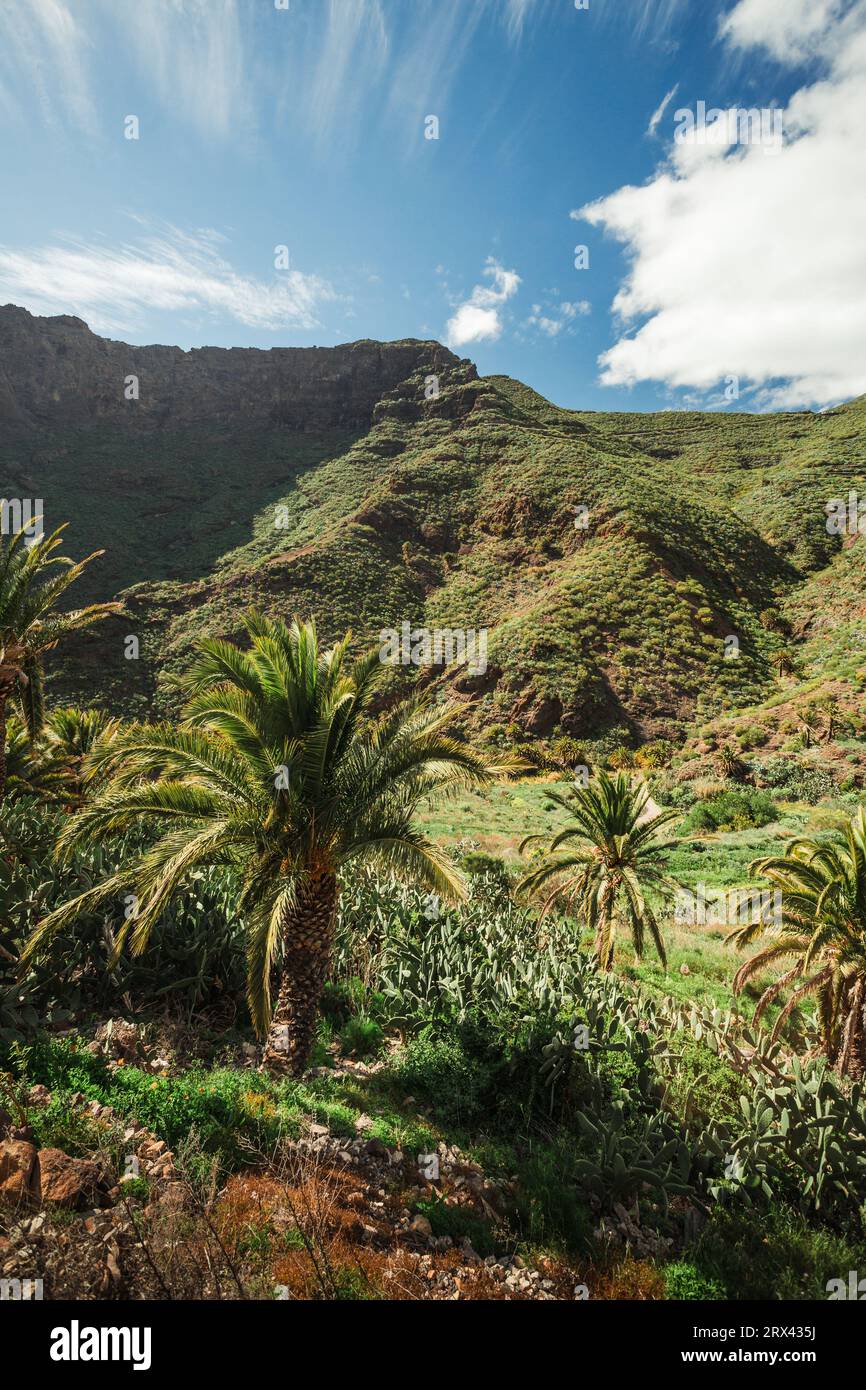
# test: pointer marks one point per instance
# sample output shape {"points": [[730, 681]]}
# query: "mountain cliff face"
{"points": [[55, 371], [610, 559]]}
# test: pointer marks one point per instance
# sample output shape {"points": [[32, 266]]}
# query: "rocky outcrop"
{"points": [[17, 1160], [56, 371]]}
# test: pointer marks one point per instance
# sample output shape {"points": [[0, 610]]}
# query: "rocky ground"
{"points": [[326, 1216]]}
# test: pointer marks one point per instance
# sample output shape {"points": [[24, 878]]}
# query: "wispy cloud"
{"points": [[478, 318], [213, 64], [190, 54], [43, 57], [557, 315], [352, 58], [115, 287], [656, 117]]}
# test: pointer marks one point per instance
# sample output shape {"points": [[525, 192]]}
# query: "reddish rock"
{"points": [[17, 1159], [61, 1181]]}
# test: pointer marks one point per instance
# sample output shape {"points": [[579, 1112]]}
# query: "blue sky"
{"points": [[722, 274]]}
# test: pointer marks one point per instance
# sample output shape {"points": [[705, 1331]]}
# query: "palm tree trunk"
{"points": [[308, 940], [5, 690]]}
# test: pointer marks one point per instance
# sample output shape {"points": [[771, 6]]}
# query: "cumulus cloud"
{"points": [[790, 31], [752, 263], [114, 287], [478, 319]]}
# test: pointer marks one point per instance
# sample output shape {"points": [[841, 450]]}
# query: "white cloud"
{"points": [[113, 287], [749, 263], [790, 31], [547, 325], [572, 309], [655, 118], [478, 318], [559, 316]]}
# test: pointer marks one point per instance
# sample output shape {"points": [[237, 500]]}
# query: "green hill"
{"points": [[611, 558]]}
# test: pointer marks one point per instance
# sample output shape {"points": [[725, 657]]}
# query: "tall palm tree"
{"points": [[30, 624], [603, 863], [280, 771], [822, 930]]}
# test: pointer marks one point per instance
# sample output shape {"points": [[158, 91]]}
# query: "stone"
{"points": [[420, 1225], [17, 1161], [61, 1181]]}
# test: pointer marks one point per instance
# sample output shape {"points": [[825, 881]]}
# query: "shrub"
{"points": [[440, 1072], [362, 1036], [781, 1256], [685, 1282], [654, 755], [731, 810]]}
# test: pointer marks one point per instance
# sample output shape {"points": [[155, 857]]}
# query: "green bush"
{"points": [[731, 810], [779, 1256], [685, 1282], [441, 1073], [362, 1036]]}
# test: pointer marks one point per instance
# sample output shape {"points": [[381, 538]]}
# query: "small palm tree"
{"points": [[30, 771], [281, 772], [728, 763], [71, 736], [604, 862], [30, 624], [822, 929]]}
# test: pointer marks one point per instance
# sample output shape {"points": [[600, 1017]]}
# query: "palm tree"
{"points": [[613, 856], [72, 735], [30, 626], [728, 763], [281, 772], [29, 771], [822, 929]]}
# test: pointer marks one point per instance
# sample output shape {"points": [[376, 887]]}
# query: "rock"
{"points": [[119, 1040], [61, 1181], [363, 1122], [40, 1095], [113, 1270], [17, 1161], [420, 1225], [319, 1131]]}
